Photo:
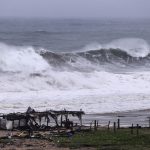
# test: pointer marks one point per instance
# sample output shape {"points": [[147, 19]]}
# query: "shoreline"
{"points": [[19, 140], [126, 118]]}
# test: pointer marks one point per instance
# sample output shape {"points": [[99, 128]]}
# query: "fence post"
{"points": [[95, 125], [114, 127], [118, 123], [91, 126], [132, 129], [108, 125], [137, 130]]}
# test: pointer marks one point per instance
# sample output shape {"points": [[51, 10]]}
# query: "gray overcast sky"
{"points": [[75, 8]]}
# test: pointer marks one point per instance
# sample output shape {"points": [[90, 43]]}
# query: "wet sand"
{"points": [[126, 118]]}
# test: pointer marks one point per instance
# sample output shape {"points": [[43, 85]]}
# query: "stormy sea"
{"points": [[99, 66]]}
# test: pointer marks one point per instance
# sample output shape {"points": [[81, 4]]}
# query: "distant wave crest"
{"points": [[119, 53]]}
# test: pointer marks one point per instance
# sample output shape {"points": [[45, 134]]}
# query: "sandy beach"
{"points": [[126, 118]]}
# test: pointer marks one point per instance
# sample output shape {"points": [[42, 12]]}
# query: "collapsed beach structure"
{"points": [[44, 120]]}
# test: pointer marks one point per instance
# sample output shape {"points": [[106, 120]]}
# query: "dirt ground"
{"points": [[29, 144], [25, 143], [16, 143]]}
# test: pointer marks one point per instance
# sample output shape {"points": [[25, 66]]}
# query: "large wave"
{"points": [[20, 59], [133, 46], [122, 53], [74, 80], [118, 53]]}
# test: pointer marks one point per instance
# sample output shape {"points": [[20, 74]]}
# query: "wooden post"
{"points": [[66, 116], [137, 130], [108, 125], [61, 119], [118, 122], [95, 125], [13, 124], [114, 127], [47, 120], [56, 120], [132, 129], [91, 126], [40, 120], [19, 123], [80, 118]]}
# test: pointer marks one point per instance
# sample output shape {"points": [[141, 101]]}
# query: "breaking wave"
{"points": [[122, 53], [118, 53], [73, 80], [21, 59], [133, 46]]}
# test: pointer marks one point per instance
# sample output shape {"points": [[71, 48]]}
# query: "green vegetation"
{"points": [[108, 140]]}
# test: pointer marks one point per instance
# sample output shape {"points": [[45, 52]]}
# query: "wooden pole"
{"points": [[137, 129], [56, 120], [95, 125], [66, 116], [80, 118], [13, 124], [19, 122], [47, 120], [132, 129], [91, 126], [149, 121], [118, 122], [61, 119], [40, 120], [114, 127], [108, 125]]}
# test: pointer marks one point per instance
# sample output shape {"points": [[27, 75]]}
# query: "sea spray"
{"points": [[21, 59], [133, 46], [28, 77]]}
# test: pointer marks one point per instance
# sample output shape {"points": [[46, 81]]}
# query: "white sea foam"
{"points": [[94, 92], [133, 46], [22, 59], [91, 92]]}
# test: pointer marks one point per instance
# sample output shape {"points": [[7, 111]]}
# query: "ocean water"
{"points": [[98, 66]]}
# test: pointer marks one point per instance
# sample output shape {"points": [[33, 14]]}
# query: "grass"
{"points": [[108, 140]]}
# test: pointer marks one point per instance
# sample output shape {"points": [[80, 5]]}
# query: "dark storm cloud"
{"points": [[75, 8]]}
